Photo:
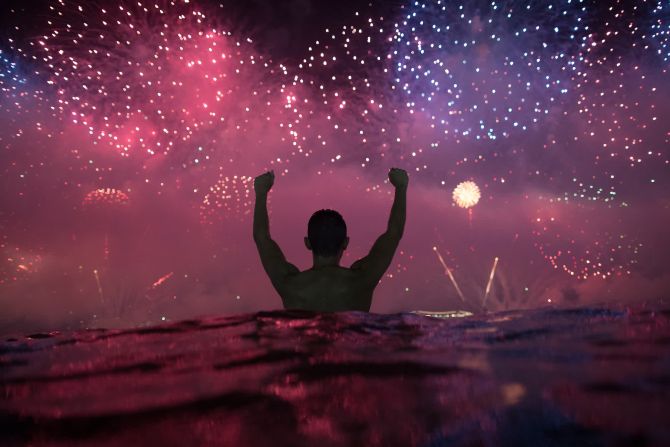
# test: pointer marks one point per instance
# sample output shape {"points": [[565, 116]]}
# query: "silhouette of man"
{"points": [[327, 286]]}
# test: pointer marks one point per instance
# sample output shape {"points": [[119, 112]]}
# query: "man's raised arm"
{"points": [[262, 185], [377, 261], [273, 259], [396, 224]]}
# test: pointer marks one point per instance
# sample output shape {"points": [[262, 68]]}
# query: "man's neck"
{"points": [[320, 262]]}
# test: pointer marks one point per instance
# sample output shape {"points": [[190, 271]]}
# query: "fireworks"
{"points": [[447, 270], [589, 192], [466, 194], [618, 61], [17, 263], [586, 244], [22, 100], [105, 197], [485, 68], [229, 198], [105, 204], [11, 80], [156, 289], [561, 99], [347, 95], [660, 29], [99, 285], [158, 78], [490, 281]]}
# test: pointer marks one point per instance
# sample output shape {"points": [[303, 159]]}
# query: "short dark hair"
{"points": [[326, 232]]}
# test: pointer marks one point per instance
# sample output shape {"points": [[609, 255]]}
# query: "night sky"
{"points": [[131, 134]]}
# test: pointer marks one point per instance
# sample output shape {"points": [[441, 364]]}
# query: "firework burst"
{"points": [[17, 264], [486, 69], [159, 78], [105, 197], [660, 29], [589, 245], [620, 83], [466, 194], [229, 198]]}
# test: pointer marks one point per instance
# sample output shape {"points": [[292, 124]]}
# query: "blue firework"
{"points": [[487, 69]]}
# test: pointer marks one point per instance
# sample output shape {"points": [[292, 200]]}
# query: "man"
{"points": [[327, 286]]}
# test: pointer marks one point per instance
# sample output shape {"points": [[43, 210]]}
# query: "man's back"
{"points": [[327, 286], [327, 289]]}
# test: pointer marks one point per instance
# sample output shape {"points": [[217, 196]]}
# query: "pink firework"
{"points": [[160, 78], [352, 114], [231, 197], [17, 264], [105, 204], [581, 241], [105, 197]]}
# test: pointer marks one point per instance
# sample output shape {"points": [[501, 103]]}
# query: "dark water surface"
{"points": [[546, 377]]}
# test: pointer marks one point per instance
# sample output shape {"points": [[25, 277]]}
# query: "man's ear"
{"points": [[307, 244]]}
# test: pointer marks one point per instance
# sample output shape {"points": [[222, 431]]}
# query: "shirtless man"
{"points": [[327, 286]]}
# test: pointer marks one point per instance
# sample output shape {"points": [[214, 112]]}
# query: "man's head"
{"points": [[326, 233]]}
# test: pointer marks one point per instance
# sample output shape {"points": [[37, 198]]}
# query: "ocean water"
{"points": [[547, 377]]}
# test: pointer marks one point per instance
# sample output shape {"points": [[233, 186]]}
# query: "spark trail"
{"points": [[447, 270], [490, 281]]}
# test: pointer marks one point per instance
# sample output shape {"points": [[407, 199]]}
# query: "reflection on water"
{"points": [[542, 377]]}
